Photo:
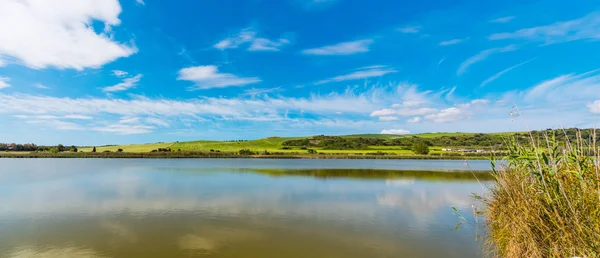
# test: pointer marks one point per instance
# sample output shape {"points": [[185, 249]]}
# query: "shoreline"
{"points": [[188, 155]]}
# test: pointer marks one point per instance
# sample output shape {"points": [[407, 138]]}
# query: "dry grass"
{"points": [[546, 201]]}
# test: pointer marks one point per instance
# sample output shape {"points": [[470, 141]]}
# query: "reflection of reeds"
{"points": [[546, 201]]}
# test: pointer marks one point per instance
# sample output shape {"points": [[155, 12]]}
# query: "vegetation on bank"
{"points": [[188, 154], [457, 145], [546, 201]]}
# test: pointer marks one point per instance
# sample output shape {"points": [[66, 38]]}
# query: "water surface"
{"points": [[234, 208]]}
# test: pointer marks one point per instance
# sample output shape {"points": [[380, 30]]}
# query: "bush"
{"points": [[420, 148], [246, 152], [311, 151], [546, 201]]}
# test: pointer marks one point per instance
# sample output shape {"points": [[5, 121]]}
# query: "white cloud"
{"points": [[248, 37], [499, 74], [388, 118], [4, 82], [38, 34], [40, 86], [369, 72], [480, 102], [344, 48], [78, 117], [395, 131], [258, 92], [481, 56], [57, 124], [140, 2], [447, 115], [415, 111], [125, 129], [453, 42], [119, 73], [207, 77], [262, 44], [157, 121], [503, 19], [404, 111], [414, 120], [129, 120], [587, 27], [594, 107], [126, 84], [410, 29], [410, 103], [383, 112]]}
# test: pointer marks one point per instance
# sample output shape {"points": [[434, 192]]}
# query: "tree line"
{"points": [[33, 147], [495, 141]]}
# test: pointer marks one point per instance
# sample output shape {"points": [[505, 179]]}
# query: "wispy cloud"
{"points": [[57, 124], [453, 42], [574, 87], [4, 82], [157, 121], [125, 129], [78, 117], [447, 115], [387, 118], [207, 77], [481, 56], [363, 73], [119, 73], [395, 131], [594, 107], [413, 120], [499, 74], [140, 2], [40, 86], [258, 92], [344, 48], [410, 29], [587, 27], [249, 37], [503, 19], [126, 84]]}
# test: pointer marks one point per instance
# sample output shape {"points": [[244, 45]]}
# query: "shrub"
{"points": [[420, 148], [311, 151], [246, 152], [120, 150]]}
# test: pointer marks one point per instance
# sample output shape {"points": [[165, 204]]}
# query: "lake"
{"points": [[236, 208]]}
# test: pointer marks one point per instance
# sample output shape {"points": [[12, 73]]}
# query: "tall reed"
{"points": [[546, 200]]}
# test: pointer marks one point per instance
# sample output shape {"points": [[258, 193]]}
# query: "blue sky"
{"points": [[133, 71]]}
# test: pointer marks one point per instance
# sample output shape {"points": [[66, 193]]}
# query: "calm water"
{"points": [[232, 208]]}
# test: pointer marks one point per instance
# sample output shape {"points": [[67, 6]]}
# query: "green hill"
{"points": [[275, 144]]}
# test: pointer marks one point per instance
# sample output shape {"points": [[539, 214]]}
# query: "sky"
{"points": [[92, 72]]}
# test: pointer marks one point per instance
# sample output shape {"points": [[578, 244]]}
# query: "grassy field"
{"points": [[274, 144]]}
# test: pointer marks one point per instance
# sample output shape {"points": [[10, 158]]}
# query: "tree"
{"points": [[420, 148], [120, 150], [94, 149]]}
